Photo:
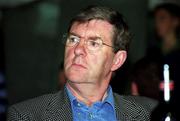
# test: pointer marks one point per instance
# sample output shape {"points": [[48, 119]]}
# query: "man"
{"points": [[96, 46]]}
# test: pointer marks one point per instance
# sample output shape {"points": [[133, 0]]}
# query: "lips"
{"points": [[78, 65], [77, 62]]}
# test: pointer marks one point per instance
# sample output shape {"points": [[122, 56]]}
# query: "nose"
{"points": [[80, 48]]}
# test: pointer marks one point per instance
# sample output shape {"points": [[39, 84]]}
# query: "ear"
{"points": [[119, 59]]}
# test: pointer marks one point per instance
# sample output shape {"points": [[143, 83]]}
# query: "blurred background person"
{"points": [[167, 25], [145, 79], [167, 51]]}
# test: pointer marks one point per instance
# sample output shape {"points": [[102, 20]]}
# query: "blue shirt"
{"points": [[98, 111]]}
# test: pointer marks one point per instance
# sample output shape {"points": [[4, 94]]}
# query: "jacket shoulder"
{"points": [[135, 107], [144, 102], [32, 108]]}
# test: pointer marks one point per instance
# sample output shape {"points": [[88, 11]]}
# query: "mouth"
{"points": [[78, 66]]}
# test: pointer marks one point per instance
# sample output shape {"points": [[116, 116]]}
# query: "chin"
{"points": [[75, 77], [76, 80]]}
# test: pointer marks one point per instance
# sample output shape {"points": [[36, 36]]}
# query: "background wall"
{"points": [[32, 32]]}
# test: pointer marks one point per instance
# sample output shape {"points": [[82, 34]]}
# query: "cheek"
{"points": [[69, 53], [102, 62], [108, 63]]}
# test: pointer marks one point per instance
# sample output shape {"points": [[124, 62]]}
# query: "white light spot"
{"points": [[168, 118]]}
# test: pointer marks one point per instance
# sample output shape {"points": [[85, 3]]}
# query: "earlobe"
{"points": [[119, 59]]}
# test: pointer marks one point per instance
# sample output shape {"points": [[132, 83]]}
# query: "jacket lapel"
{"points": [[121, 111], [59, 108]]}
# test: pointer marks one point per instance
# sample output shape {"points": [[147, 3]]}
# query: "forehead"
{"points": [[98, 28]]}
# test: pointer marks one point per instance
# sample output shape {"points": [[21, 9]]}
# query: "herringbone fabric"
{"points": [[56, 107]]}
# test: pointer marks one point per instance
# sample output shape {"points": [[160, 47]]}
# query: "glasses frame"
{"points": [[66, 36]]}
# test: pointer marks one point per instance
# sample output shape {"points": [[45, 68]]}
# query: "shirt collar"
{"points": [[70, 95], [109, 98]]}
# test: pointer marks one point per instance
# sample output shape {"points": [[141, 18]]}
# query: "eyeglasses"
{"points": [[92, 43]]}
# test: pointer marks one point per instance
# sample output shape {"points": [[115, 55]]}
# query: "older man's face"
{"points": [[86, 66]]}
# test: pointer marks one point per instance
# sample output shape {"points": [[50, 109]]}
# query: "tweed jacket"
{"points": [[57, 107]]}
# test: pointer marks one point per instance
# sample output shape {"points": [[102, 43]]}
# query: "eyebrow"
{"points": [[91, 37], [74, 34]]}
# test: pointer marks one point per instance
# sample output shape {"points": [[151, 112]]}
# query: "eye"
{"points": [[72, 40], [94, 43]]}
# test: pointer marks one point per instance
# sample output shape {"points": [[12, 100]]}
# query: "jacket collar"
{"points": [[59, 108]]}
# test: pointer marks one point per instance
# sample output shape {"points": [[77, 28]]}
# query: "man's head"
{"points": [[96, 45]]}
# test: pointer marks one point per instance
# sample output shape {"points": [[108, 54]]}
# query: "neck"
{"points": [[169, 43], [89, 93]]}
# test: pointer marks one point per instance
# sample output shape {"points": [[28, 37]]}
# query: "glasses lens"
{"points": [[72, 40], [94, 44]]}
